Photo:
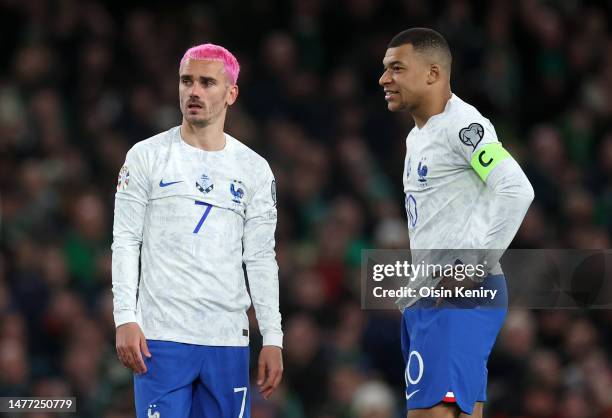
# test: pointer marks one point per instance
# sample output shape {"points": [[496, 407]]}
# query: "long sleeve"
{"points": [[475, 141], [513, 194], [130, 206], [260, 259]]}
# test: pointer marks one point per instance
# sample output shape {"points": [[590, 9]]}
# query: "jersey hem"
{"points": [[210, 341]]}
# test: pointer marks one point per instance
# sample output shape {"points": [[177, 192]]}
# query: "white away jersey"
{"points": [[463, 190], [191, 218]]}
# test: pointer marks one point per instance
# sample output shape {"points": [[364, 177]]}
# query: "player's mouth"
{"points": [[194, 106], [389, 94]]}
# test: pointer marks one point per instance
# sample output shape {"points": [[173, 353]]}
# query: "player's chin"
{"points": [[394, 106], [196, 120]]}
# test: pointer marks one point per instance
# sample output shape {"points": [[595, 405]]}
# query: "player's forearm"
{"points": [[125, 281], [263, 282], [269, 321], [127, 240], [512, 195], [262, 272]]}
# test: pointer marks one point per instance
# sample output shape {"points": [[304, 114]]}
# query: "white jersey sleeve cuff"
{"points": [[273, 339], [123, 317]]}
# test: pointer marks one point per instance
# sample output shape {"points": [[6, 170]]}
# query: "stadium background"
{"points": [[82, 81]]}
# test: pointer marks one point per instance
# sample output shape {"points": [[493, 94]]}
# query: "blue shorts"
{"points": [[446, 348], [193, 381]]}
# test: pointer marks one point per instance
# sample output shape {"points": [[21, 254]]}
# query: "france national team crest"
{"points": [[123, 180], [205, 184], [237, 191], [422, 172]]}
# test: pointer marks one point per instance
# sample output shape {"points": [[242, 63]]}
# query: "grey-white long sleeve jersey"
{"points": [[463, 190], [185, 221]]}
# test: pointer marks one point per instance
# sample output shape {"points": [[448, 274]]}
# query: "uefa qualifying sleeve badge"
{"points": [[124, 178], [472, 135]]}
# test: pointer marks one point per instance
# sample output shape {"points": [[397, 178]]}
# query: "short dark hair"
{"points": [[423, 40]]}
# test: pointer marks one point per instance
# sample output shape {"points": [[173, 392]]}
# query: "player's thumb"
{"points": [[144, 348]]}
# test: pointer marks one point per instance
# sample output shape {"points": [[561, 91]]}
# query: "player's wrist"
{"points": [[273, 340], [124, 317]]}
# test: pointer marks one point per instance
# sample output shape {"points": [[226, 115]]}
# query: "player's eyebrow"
{"points": [[392, 63], [206, 79], [203, 79]]}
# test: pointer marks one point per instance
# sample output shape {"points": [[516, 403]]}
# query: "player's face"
{"points": [[204, 91], [404, 79]]}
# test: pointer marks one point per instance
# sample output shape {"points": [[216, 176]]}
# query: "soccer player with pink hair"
{"points": [[192, 205]]}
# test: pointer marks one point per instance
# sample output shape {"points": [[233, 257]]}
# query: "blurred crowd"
{"points": [[82, 81]]}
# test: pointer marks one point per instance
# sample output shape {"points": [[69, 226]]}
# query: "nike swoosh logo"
{"points": [[162, 184], [412, 393]]}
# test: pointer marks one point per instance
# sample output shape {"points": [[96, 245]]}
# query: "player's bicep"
{"points": [[131, 198], [132, 184], [468, 135], [487, 157], [260, 223]]}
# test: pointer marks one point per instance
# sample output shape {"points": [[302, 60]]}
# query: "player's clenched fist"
{"points": [[131, 344]]}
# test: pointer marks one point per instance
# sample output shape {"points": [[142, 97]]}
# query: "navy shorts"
{"points": [[193, 381], [446, 348]]}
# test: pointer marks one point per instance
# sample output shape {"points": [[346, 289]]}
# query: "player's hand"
{"points": [[270, 369], [451, 283], [131, 344]]}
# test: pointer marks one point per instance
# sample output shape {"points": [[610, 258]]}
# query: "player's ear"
{"points": [[435, 72], [232, 94]]}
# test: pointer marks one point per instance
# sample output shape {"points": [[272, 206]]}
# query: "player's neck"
{"points": [[434, 105], [207, 138]]}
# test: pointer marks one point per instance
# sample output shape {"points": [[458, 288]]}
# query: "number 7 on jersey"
{"points": [[204, 216]]}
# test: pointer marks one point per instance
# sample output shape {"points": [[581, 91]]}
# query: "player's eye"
{"points": [[396, 68]]}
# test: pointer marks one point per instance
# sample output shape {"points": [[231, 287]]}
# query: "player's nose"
{"points": [[384, 78], [196, 90]]}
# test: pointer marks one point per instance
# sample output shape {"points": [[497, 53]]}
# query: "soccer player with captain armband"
{"points": [[465, 193]]}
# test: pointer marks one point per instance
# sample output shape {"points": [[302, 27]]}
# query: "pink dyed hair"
{"points": [[214, 52]]}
